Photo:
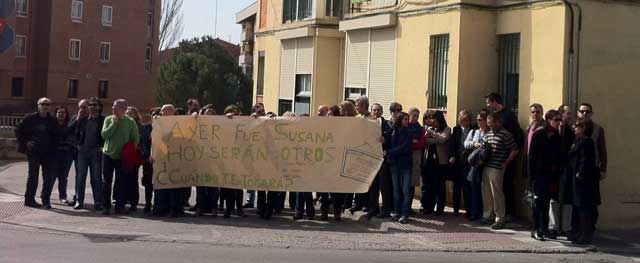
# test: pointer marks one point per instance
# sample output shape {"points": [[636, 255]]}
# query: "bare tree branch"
{"points": [[171, 23]]}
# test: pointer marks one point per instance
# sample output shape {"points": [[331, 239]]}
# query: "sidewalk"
{"points": [[424, 233]]}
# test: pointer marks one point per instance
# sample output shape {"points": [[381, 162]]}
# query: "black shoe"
{"points": [[455, 213], [324, 217], [247, 205], [227, 214], [537, 235], [106, 211], [439, 213], [33, 204], [147, 209], [98, 207], [198, 213], [297, 217], [46, 206], [427, 212], [191, 209], [552, 234], [381, 216], [241, 214], [133, 209], [365, 209], [370, 215], [78, 206], [311, 217]]}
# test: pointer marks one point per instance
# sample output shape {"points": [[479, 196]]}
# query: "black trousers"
{"points": [[328, 199], [147, 182], [109, 167], [176, 200], [381, 184], [435, 187], [305, 200], [36, 161], [267, 202], [207, 198], [461, 188], [541, 213], [583, 222], [132, 188], [508, 190], [233, 199]]}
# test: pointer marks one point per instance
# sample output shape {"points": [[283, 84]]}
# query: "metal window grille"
{"points": [[17, 87], [284, 106], [72, 86], [103, 89], [439, 56], [509, 69], [260, 86]]}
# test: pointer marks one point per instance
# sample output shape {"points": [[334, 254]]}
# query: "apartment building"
{"points": [[77, 49], [447, 54], [247, 18]]}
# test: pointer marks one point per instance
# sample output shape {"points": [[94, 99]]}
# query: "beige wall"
{"points": [[542, 54], [272, 48], [327, 87], [412, 57], [609, 80]]}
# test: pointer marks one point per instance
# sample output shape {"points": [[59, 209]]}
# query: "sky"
{"points": [[199, 17]]}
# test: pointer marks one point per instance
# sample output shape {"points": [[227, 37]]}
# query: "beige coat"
{"points": [[441, 139]]}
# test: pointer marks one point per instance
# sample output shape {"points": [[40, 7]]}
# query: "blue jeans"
{"points": [[89, 160], [401, 178]]}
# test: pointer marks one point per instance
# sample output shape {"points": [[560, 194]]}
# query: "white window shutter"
{"points": [[383, 61], [287, 69], [356, 71], [304, 57]]}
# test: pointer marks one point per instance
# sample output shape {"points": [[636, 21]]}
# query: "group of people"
{"points": [[565, 160]]}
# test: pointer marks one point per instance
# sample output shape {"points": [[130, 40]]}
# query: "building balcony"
{"points": [[246, 36], [245, 59], [360, 7]]}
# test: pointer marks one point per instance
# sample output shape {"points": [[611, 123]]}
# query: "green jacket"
{"points": [[117, 134]]}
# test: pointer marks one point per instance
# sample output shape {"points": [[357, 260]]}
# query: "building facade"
{"points": [[247, 18], [448, 54], [76, 49]]}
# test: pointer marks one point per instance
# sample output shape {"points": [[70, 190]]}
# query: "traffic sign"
{"points": [[7, 36]]}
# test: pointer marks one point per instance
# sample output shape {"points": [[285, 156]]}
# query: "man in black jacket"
{"points": [[35, 138], [90, 144], [510, 123]]}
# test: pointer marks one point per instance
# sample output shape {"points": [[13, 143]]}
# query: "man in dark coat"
{"points": [[35, 139]]}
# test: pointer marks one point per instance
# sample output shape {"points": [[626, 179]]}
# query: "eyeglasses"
{"points": [[93, 105], [584, 111], [45, 104]]}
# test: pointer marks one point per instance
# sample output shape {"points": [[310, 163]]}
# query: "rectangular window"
{"points": [[76, 11], [509, 69], [107, 15], [149, 24], [296, 10], [354, 93], [105, 52], [439, 61], [17, 87], [22, 7], [74, 49], [335, 8], [21, 46], [72, 88], [103, 89], [260, 85], [303, 94], [284, 106], [147, 61]]}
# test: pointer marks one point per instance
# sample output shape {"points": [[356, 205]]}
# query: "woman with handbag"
{"points": [[436, 161], [545, 161], [473, 142]]}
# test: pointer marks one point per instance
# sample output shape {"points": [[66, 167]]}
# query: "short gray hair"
{"points": [[43, 99], [120, 103], [363, 99]]}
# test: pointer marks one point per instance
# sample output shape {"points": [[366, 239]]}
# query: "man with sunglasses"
{"points": [[585, 111], [35, 139], [89, 144]]}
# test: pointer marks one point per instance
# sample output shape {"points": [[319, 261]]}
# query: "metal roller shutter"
{"points": [[304, 57], [382, 68], [357, 73], [287, 69]]}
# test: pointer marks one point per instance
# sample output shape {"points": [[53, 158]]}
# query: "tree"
{"points": [[203, 69], [171, 25]]}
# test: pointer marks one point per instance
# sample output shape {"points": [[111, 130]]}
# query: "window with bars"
{"points": [[105, 52], [303, 94], [22, 7], [260, 85], [74, 49], [149, 24], [296, 10], [21, 46], [72, 88], [147, 59], [76, 11], [439, 61], [17, 87], [103, 89], [354, 93], [107, 15], [509, 69]]}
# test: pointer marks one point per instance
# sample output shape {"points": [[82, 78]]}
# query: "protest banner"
{"points": [[307, 154]]}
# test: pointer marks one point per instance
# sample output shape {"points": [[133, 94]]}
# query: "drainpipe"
{"points": [[572, 95]]}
